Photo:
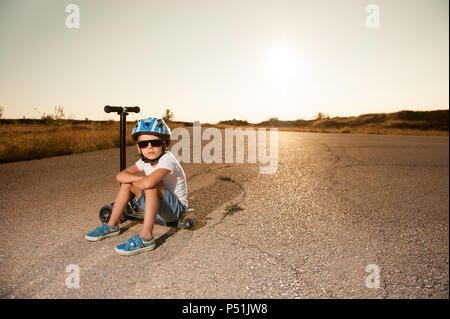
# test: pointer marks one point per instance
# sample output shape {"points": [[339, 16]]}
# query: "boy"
{"points": [[161, 193]]}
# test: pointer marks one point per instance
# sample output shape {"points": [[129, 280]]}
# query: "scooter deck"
{"points": [[132, 214], [182, 223]]}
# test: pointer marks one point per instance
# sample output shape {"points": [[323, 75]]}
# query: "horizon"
{"points": [[209, 123], [219, 61]]}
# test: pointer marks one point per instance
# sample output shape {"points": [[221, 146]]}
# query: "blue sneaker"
{"points": [[102, 232], [135, 245]]}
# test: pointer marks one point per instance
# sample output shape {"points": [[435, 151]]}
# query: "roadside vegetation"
{"points": [[54, 134], [403, 122]]}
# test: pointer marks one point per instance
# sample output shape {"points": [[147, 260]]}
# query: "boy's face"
{"points": [[149, 151]]}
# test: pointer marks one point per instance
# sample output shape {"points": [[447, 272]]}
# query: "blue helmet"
{"points": [[151, 125]]}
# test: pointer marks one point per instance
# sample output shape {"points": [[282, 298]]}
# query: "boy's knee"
{"points": [[154, 191], [150, 191], [132, 189], [157, 187]]}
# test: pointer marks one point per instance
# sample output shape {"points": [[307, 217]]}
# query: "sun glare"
{"points": [[281, 65]]}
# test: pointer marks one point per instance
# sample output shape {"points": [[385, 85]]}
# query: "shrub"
{"points": [[234, 122], [168, 116]]}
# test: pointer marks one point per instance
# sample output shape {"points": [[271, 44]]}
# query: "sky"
{"points": [[213, 60]]}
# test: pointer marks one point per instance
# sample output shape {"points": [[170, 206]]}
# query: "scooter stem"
{"points": [[122, 111]]}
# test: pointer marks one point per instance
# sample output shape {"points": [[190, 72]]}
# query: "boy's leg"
{"points": [[152, 198], [122, 199]]}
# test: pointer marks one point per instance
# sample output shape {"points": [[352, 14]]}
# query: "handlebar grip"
{"points": [[109, 109], [134, 109]]}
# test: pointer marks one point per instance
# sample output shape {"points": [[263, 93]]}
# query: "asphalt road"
{"points": [[337, 204]]}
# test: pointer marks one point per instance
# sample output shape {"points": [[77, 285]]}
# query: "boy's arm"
{"points": [[151, 180], [129, 175]]}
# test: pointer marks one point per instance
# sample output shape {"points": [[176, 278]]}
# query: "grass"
{"points": [[27, 139], [225, 178], [399, 123], [22, 140], [231, 209], [25, 143]]}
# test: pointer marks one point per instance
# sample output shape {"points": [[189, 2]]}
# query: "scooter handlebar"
{"points": [[134, 109], [120, 109], [109, 109]]}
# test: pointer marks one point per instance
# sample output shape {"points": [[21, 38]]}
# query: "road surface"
{"points": [[344, 216]]}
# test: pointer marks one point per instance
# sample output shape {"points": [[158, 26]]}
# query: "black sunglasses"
{"points": [[154, 143]]}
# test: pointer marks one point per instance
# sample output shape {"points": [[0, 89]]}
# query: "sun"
{"points": [[281, 63], [281, 66]]}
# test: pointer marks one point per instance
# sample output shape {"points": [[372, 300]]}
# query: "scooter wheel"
{"points": [[105, 213], [190, 223]]}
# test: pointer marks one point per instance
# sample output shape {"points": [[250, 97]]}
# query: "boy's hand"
{"points": [[139, 183], [153, 180], [129, 175]]}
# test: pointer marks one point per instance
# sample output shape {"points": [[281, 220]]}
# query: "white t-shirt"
{"points": [[175, 181]]}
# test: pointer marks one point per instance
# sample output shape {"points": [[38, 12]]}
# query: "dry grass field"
{"points": [[27, 139]]}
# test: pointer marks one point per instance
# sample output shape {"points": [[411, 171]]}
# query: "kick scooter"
{"points": [[131, 211]]}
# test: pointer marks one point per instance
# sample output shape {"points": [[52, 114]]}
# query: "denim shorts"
{"points": [[170, 208]]}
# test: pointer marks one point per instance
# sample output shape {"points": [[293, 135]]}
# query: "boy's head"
{"points": [[152, 136]]}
